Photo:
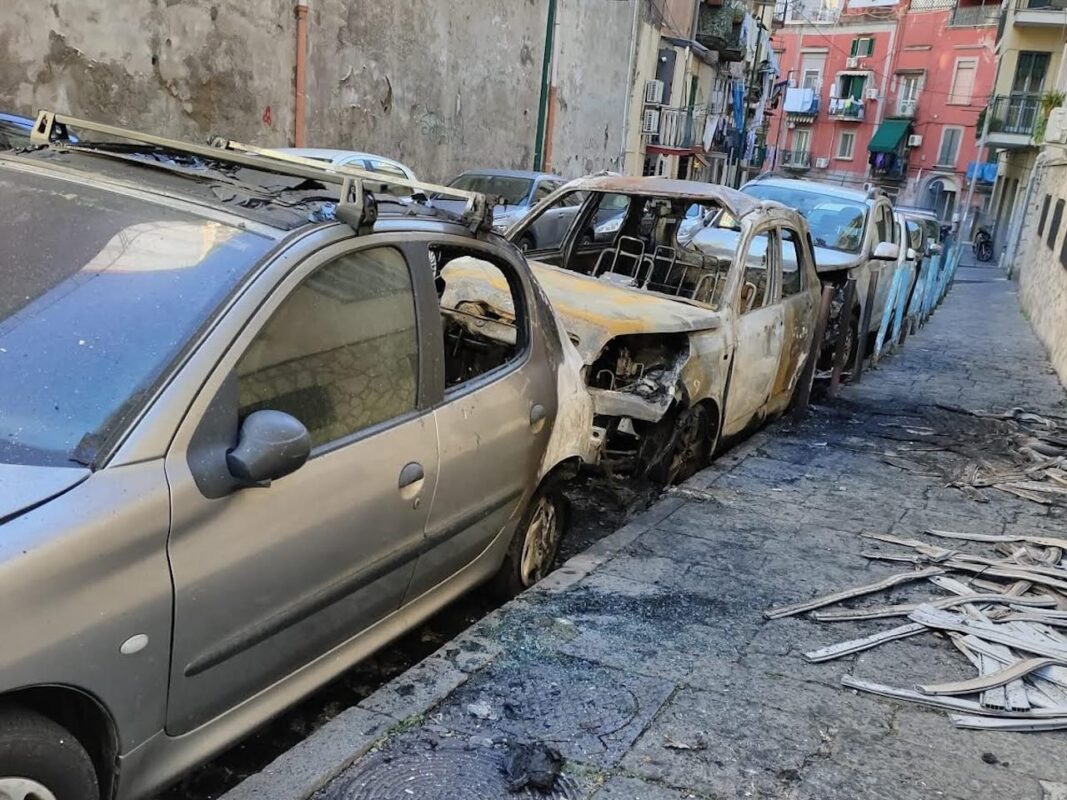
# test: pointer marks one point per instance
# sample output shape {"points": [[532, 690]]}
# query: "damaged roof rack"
{"points": [[356, 206]]}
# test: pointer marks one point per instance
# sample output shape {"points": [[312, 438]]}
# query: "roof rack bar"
{"points": [[477, 214]]}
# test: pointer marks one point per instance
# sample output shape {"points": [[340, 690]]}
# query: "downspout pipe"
{"points": [[300, 107], [631, 77], [546, 76]]}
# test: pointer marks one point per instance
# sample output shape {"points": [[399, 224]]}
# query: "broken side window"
{"points": [[482, 314], [792, 261], [756, 278]]}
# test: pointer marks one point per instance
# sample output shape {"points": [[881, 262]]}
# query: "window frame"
{"points": [[841, 137], [945, 129], [857, 46], [774, 251], [798, 245], [972, 64]]}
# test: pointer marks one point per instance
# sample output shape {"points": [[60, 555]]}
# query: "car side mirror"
{"points": [[935, 248], [886, 251], [911, 255], [270, 445]]}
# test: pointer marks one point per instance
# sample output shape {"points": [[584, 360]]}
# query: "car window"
{"points": [[512, 191], [835, 223], [885, 229], [915, 236], [792, 261], [482, 330], [543, 190], [756, 280], [549, 228], [341, 352]]}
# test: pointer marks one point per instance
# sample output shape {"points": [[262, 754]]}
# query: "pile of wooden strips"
{"points": [[1005, 612], [1016, 452]]}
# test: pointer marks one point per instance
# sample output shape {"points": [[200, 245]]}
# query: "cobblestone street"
{"points": [[647, 660]]}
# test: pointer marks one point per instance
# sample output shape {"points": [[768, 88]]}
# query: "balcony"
{"points": [[845, 109], [903, 107], [796, 160], [801, 104], [677, 128], [1040, 14], [1011, 125], [974, 16], [719, 29]]}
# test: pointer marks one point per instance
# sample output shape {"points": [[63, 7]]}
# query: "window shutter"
{"points": [[855, 47]]}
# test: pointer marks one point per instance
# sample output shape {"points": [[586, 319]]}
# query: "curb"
{"points": [[304, 769]]}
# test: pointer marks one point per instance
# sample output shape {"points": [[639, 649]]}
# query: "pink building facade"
{"points": [[888, 94]]}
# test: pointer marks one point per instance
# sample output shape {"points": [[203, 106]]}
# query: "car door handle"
{"points": [[411, 474]]}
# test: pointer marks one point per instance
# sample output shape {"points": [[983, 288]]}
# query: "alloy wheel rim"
{"points": [[686, 449], [539, 547], [24, 789]]}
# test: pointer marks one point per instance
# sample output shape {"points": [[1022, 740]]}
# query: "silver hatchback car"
{"points": [[243, 444]]}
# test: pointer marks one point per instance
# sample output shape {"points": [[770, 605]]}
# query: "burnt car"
{"points": [[252, 427], [684, 343]]}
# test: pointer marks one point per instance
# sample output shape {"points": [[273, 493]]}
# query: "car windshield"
{"points": [[835, 223], [99, 294], [512, 191]]}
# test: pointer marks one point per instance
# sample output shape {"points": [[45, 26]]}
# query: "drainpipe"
{"points": [[546, 72], [974, 178], [631, 78], [299, 121], [550, 114]]}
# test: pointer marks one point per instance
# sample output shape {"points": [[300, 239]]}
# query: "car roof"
{"points": [[922, 213], [732, 200], [511, 173], [835, 189]]}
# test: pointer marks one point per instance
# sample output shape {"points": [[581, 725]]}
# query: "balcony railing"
{"points": [[971, 16], [904, 107], [1015, 113], [682, 128], [796, 159], [845, 108]]}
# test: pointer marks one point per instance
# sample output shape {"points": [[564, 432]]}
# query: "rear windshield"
{"points": [[99, 293], [835, 223], [513, 191]]}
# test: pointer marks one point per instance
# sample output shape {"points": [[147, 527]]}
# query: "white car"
{"points": [[365, 161]]}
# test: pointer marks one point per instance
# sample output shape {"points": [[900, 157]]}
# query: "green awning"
{"points": [[889, 135]]}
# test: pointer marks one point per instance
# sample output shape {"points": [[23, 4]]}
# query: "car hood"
{"points": [[827, 260], [594, 312], [23, 488]]}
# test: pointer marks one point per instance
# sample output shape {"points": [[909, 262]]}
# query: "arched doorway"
{"points": [[941, 197]]}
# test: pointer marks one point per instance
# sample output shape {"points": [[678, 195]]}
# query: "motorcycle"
{"points": [[983, 244]]}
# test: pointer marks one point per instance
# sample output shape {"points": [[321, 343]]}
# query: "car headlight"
{"points": [[611, 226]]}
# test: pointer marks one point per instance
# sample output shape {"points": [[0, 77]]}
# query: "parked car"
{"points": [[244, 445], [369, 162], [684, 345], [516, 191], [854, 236]]}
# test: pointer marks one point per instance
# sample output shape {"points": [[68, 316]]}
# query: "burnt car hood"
{"points": [[827, 260], [594, 312], [23, 488]]}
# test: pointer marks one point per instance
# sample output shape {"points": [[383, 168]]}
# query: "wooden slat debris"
{"points": [[903, 609], [1044, 541], [848, 594], [866, 643], [947, 621], [946, 702], [1011, 724]]}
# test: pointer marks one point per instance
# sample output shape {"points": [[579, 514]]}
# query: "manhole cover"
{"points": [[436, 771]]}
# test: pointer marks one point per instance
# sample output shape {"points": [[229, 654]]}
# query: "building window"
{"points": [[1030, 72], [851, 85], [801, 140], [864, 46], [846, 145], [950, 146], [811, 70], [963, 81]]}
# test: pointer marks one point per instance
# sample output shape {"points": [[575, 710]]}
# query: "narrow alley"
{"points": [[647, 660]]}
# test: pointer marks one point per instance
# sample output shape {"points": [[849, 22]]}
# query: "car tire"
{"points": [[526, 243], [534, 545], [689, 450], [42, 760]]}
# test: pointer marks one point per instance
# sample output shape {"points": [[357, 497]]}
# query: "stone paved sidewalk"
{"points": [[647, 661]]}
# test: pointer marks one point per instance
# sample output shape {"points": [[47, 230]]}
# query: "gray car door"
{"points": [[497, 408], [268, 579]]}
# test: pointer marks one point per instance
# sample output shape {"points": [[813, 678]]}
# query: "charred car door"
{"points": [[799, 300], [495, 406], [760, 329], [269, 578]]}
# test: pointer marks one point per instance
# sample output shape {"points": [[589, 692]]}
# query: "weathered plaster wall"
{"points": [[592, 81], [180, 68], [1042, 268]]}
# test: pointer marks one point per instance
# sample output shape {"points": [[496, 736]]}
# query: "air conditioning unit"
{"points": [[650, 121], [1056, 127], [872, 94], [654, 93], [790, 125], [915, 140], [852, 62], [822, 163]]}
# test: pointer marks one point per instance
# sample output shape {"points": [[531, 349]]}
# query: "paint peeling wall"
{"points": [[593, 52], [187, 69]]}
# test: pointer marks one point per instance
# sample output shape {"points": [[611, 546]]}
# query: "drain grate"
{"points": [[429, 769]]}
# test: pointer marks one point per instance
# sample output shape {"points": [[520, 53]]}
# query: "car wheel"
{"points": [[41, 760], [526, 243], [534, 544], [688, 450]]}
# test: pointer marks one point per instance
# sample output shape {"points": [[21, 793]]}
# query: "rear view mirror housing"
{"points": [[886, 251], [911, 255], [935, 248], [270, 445]]}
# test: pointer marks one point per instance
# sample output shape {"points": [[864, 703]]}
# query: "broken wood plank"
{"points": [[847, 594], [1044, 541], [944, 620], [1012, 724], [950, 703], [902, 610], [866, 643], [1015, 573]]}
